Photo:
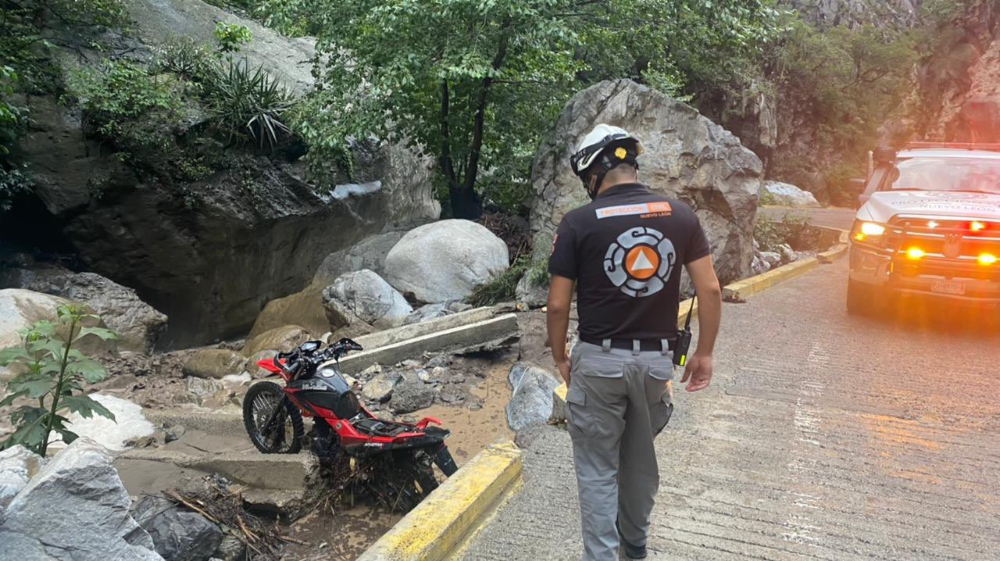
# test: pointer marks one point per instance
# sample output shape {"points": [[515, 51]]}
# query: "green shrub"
{"points": [[186, 58], [51, 372], [13, 182], [126, 105], [503, 288], [248, 104], [229, 37]]}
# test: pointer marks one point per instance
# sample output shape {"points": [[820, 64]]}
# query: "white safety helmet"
{"points": [[596, 149]]}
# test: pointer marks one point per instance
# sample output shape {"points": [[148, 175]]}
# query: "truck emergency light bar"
{"points": [[990, 147]]}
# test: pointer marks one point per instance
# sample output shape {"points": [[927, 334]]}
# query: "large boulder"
{"points": [[20, 309], [369, 253], [364, 296], [75, 508], [305, 307], [137, 324], [17, 466], [178, 534], [282, 339], [445, 260], [531, 400], [786, 194], [380, 387], [214, 364], [687, 157]]}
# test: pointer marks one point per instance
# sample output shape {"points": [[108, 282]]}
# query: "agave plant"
{"points": [[249, 103]]}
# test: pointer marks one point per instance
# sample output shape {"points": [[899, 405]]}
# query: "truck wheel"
{"points": [[862, 300]]}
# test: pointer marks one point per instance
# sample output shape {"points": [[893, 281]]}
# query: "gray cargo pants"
{"points": [[617, 402]]}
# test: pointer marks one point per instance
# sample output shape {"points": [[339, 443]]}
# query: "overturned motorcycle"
{"points": [[399, 455]]}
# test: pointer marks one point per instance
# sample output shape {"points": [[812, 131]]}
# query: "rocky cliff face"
{"points": [[687, 157], [210, 248]]}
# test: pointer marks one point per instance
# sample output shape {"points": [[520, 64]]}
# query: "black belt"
{"points": [[645, 345]]}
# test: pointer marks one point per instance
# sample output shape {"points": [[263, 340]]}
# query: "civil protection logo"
{"points": [[640, 261]]}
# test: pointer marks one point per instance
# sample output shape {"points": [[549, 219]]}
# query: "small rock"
{"points": [[200, 390], [438, 373], [441, 360], [380, 387], [254, 369], [788, 255], [475, 406], [451, 395], [531, 400], [173, 433], [141, 442], [457, 378], [352, 382], [409, 396], [238, 379], [410, 363], [424, 376], [17, 466], [214, 363], [231, 549], [371, 371], [772, 258]]}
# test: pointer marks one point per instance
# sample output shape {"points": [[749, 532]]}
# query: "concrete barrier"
{"points": [[441, 523], [253, 469], [482, 334]]}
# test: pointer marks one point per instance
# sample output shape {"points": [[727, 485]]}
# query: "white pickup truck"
{"points": [[929, 225]]}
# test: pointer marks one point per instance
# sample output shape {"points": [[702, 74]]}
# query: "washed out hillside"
{"points": [[191, 192]]}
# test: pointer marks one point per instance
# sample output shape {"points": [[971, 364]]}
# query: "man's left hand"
{"points": [[698, 373]]}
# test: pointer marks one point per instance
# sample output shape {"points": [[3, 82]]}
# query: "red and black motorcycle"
{"points": [[314, 387]]}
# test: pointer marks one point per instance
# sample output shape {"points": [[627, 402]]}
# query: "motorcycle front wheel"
{"points": [[271, 420]]}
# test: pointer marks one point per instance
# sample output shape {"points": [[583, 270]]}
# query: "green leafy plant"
{"points": [[13, 183], [126, 105], [229, 37], [51, 371], [249, 104], [503, 288]]}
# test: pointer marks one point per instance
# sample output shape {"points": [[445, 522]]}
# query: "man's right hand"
{"points": [[564, 370]]}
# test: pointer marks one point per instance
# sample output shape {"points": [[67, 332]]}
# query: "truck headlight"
{"points": [[865, 230]]}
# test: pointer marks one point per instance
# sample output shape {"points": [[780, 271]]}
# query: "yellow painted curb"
{"points": [[439, 524], [745, 288]]}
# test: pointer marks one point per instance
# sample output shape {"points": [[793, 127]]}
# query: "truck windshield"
{"points": [[978, 175]]}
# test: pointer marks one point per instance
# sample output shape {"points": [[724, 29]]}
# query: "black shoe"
{"points": [[631, 551]]}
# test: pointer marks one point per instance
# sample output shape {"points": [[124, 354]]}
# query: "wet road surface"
{"points": [[822, 437]]}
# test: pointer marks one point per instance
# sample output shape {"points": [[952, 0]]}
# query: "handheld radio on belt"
{"points": [[684, 338]]}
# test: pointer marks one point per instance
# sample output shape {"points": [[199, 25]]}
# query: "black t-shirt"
{"points": [[625, 250]]}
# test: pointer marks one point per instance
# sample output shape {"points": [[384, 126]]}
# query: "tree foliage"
{"points": [[51, 371]]}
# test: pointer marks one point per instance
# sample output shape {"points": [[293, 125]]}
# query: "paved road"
{"points": [[823, 437], [840, 218]]}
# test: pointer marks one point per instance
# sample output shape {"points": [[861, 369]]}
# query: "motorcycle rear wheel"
{"points": [[266, 404]]}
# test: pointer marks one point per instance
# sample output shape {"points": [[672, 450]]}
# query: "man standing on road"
{"points": [[623, 251]]}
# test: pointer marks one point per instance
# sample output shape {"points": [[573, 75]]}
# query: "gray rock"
{"points": [[771, 258], [173, 433], [531, 294], [411, 395], [786, 194], [439, 360], [438, 373], [788, 255], [282, 339], [178, 534], [231, 549], [76, 504], [381, 386], [687, 157], [252, 367], [434, 311], [17, 466], [214, 363], [445, 260], [759, 266], [137, 324], [531, 401], [451, 395], [200, 390], [363, 296], [369, 254], [20, 309], [457, 378]]}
